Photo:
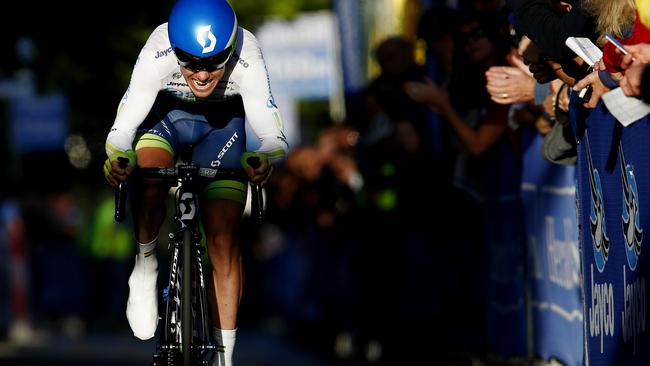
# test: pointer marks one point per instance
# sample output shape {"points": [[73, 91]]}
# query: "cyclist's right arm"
{"points": [[133, 109]]}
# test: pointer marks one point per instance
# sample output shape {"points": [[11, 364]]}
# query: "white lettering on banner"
{"points": [[299, 66], [601, 311], [563, 255], [633, 314], [308, 29]]}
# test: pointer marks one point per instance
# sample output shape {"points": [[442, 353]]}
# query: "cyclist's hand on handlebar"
{"points": [[119, 166], [257, 166]]}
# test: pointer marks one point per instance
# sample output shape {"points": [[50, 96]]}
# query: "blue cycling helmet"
{"points": [[204, 30]]}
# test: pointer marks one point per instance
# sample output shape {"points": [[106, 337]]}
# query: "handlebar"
{"points": [[257, 197], [120, 194], [188, 172]]}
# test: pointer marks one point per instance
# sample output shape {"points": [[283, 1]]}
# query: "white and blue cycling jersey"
{"points": [[157, 77]]}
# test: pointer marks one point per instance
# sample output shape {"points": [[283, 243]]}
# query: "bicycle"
{"points": [[186, 315]]}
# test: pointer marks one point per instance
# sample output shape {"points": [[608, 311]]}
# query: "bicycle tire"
{"points": [[186, 299]]}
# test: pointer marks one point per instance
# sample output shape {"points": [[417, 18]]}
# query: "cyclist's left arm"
{"points": [[264, 118]]}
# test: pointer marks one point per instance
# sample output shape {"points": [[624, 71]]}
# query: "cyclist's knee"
{"points": [[222, 242], [221, 223], [154, 157]]}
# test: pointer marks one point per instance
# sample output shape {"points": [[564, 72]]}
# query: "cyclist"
{"points": [[195, 80]]}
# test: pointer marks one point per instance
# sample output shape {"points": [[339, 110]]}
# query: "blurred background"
{"points": [[369, 254]]}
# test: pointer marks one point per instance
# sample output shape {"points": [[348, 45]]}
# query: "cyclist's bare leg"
{"points": [[221, 221], [149, 212], [149, 201]]}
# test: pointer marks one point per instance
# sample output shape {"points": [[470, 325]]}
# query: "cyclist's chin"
{"points": [[202, 90]]}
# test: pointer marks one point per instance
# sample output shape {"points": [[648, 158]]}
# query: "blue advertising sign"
{"points": [[38, 123], [352, 44], [614, 204], [302, 55], [555, 305]]}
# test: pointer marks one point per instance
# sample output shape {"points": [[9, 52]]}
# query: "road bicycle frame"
{"points": [[186, 333], [186, 337]]}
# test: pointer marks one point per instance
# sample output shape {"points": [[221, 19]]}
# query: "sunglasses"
{"points": [[209, 64]]}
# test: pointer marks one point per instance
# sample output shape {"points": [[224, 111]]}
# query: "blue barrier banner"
{"points": [[504, 243], [614, 207], [505, 254], [555, 306]]}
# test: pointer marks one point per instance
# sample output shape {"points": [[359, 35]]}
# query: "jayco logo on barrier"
{"points": [[597, 215], [632, 232], [201, 34], [601, 309], [634, 309], [633, 315]]}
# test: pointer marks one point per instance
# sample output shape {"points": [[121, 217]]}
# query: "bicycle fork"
{"points": [[186, 339]]}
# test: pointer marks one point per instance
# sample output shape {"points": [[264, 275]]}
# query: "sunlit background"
{"points": [[63, 70]]}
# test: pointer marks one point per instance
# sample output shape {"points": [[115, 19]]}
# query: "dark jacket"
{"points": [[549, 30]]}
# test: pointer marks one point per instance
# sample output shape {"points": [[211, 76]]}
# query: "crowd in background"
{"points": [[374, 242], [378, 230]]}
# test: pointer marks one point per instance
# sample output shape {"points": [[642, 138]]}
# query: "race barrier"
{"points": [[613, 203], [554, 305]]}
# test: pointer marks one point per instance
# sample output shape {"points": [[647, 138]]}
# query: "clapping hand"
{"points": [[427, 92]]}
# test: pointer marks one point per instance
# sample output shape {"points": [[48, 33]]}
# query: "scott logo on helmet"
{"points": [[201, 38]]}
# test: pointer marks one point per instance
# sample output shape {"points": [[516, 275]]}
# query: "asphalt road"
{"points": [[254, 348]]}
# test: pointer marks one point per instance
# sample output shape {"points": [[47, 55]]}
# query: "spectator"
{"points": [[488, 166], [619, 19], [548, 25]]}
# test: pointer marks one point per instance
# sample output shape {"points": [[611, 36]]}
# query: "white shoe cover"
{"points": [[142, 306]]}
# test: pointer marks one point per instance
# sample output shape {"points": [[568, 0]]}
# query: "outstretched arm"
{"points": [[476, 141]]}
